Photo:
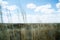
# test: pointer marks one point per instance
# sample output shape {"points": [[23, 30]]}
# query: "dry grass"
{"points": [[30, 32]]}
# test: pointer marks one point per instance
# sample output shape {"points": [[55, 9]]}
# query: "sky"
{"points": [[35, 11]]}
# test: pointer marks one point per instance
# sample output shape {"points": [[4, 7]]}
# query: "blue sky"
{"points": [[37, 2], [37, 11]]}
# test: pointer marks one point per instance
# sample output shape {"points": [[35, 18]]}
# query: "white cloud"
{"points": [[16, 18], [0, 1], [13, 18], [47, 9], [49, 15], [32, 19], [31, 6], [46, 18], [59, 0], [4, 4], [58, 5], [5, 19], [12, 7]]}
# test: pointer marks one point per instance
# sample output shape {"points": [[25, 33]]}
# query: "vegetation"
{"points": [[30, 31]]}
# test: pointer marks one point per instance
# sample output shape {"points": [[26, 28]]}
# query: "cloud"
{"points": [[12, 7], [36, 18], [47, 9], [59, 0], [31, 6], [58, 5], [32, 19], [49, 15], [46, 18], [13, 11], [13, 18], [4, 4]]}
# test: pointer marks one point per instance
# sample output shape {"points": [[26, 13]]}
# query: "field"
{"points": [[50, 31]]}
